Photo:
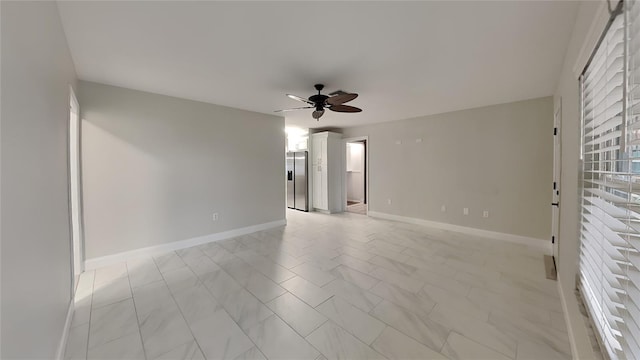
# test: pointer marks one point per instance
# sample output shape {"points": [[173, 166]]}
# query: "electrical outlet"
{"points": [[398, 142], [419, 140], [388, 201], [215, 216], [443, 208], [465, 211], [485, 214]]}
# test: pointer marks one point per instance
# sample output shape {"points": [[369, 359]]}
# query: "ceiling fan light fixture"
{"points": [[317, 114]]}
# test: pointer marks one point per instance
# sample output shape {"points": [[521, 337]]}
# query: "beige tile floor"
{"points": [[359, 208], [325, 286]]}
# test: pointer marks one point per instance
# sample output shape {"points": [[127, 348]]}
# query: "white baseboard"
{"points": [[102, 261], [567, 321], [578, 330], [529, 241], [65, 332]]}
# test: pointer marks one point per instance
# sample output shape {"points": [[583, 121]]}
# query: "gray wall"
{"points": [[567, 94], [497, 158], [36, 73], [155, 168]]}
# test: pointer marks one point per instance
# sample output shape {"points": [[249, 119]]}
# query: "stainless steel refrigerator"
{"points": [[297, 184]]}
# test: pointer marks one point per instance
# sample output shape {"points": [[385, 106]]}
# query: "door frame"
{"points": [[557, 175], [367, 186], [75, 207]]}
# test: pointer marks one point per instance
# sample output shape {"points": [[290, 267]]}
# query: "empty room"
{"points": [[320, 180]]}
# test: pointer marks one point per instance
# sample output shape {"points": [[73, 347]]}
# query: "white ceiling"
{"points": [[405, 59]]}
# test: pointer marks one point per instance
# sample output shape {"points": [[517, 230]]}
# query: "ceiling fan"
{"points": [[334, 102]]}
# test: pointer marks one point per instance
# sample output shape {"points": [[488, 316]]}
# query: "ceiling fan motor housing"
{"points": [[318, 99]]}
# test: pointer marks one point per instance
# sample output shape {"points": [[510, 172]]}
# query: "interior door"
{"points": [[555, 202]]}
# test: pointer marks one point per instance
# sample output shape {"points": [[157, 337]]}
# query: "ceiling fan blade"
{"points": [[298, 98], [317, 114], [341, 99], [300, 108], [344, 108]]}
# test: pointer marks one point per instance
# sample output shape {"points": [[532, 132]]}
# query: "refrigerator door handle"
{"points": [[289, 175]]}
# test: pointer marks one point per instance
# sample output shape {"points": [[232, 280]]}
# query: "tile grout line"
{"points": [[484, 345], [304, 337], [312, 308], [367, 313], [273, 314], [225, 310], [135, 309], [178, 306], [446, 339], [343, 329], [378, 336], [408, 335], [93, 285], [287, 324]]}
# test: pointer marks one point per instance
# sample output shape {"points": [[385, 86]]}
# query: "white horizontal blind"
{"points": [[608, 206], [610, 215], [630, 328]]}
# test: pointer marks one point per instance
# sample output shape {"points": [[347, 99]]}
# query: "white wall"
{"points": [[155, 168], [497, 158], [583, 39], [36, 72], [355, 171]]}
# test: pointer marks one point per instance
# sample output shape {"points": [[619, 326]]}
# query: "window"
{"points": [[610, 201]]}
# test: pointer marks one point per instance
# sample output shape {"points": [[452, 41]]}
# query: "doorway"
{"points": [[75, 193], [555, 196], [356, 179]]}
